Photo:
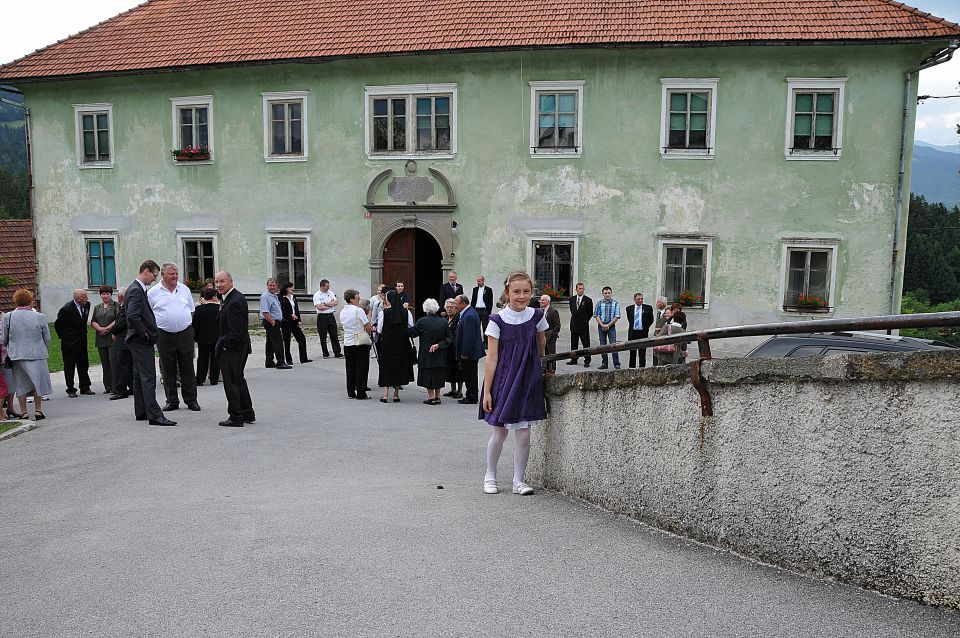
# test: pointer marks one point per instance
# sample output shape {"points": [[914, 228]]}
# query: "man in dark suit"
{"points": [[482, 300], [233, 348], [142, 333], [71, 327], [581, 312], [639, 320], [449, 290], [468, 348], [553, 331]]}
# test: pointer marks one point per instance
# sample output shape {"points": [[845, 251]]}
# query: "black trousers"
{"points": [[484, 320], [123, 372], [357, 359], [468, 368], [293, 330], [75, 359], [551, 348], [176, 354], [274, 346], [640, 354], [327, 325], [144, 381], [583, 338], [239, 404], [207, 360], [108, 364]]}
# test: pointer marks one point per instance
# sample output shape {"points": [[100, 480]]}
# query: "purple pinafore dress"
{"points": [[517, 389]]}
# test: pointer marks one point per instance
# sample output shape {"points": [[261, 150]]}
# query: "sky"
{"points": [[33, 24]]}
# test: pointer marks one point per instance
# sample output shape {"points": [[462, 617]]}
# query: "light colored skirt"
{"points": [[31, 375]]}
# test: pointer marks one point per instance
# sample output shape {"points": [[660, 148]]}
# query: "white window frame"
{"points": [[410, 92], [290, 235], [566, 86], [79, 110], [286, 96], [808, 243], [198, 100], [183, 236], [99, 235], [803, 85], [698, 85], [665, 240], [560, 237]]}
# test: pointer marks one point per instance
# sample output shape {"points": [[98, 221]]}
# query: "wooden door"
{"points": [[400, 263]]}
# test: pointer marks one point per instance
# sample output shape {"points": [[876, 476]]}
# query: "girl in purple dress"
{"points": [[513, 380]]}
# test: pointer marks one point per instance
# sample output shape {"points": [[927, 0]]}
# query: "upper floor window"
{"points": [[94, 123], [192, 128], [411, 120], [285, 126], [685, 270], [101, 263], [809, 268], [556, 118], [688, 118], [814, 118]]}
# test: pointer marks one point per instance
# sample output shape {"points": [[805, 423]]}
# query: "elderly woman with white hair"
{"points": [[435, 337]]}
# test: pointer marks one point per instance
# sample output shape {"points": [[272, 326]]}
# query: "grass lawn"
{"points": [[4, 427], [55, 358]]}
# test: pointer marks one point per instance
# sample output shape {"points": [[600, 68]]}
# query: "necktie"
{"points": [[636, 317]]}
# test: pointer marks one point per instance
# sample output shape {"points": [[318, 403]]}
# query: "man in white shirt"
{"points": [[172, 305], [326, 303], [482, 301]]}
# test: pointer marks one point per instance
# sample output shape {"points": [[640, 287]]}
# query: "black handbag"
{"points": [[413, 351], [8, 363]]}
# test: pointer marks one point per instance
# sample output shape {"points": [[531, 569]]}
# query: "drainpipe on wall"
{"points": [[26, 132], [941, 56]]}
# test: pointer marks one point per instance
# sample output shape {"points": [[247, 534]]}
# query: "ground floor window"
{"points": [[199, 262], [553, 268], [685, 272], [809, 274], [101, 263], [290, 262]]}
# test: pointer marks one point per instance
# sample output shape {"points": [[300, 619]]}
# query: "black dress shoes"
{"points": [[467, 401], [449, 394], [194, 407], [88, 392], [170, 407], [284, 366], [162, 422], [72, 394], [250, 418], [306, 361], [230, 423], [338, 356], [114, 397], [456, 395]]}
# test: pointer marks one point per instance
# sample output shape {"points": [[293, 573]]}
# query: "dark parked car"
{"points": [[821, 344]]}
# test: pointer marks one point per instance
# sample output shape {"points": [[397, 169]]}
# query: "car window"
{"points": [[805, 351], [863, 350]]}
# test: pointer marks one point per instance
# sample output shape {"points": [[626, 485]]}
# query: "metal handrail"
{"points": [[703, 337]]}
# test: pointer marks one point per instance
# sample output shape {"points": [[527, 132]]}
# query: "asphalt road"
{"points": [[326, 518]]}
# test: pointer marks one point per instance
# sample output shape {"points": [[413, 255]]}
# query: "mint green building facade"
{"points": [[744, 217]]}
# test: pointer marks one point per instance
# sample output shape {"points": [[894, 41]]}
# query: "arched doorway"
{"points": [[413, 256]]}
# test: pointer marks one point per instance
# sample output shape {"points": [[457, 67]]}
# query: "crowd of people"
{"points": [[209, 341]]}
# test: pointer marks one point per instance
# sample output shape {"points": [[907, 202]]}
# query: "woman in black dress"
{"points": [[396, 365], [432, 355]]}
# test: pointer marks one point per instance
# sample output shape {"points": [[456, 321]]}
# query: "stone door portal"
{"points": [[412, 255]]}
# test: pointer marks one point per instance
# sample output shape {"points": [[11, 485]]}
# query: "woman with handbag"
{"points": [[27, 337], [673, 322], [435, 337], [6, 395], [356, 344], [396, 362]]}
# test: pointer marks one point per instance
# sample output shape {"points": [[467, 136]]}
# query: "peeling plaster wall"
{"points": [[619, 195], [843, 466]]}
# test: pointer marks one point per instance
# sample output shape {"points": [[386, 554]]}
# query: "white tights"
{"points": [[521, 452]]}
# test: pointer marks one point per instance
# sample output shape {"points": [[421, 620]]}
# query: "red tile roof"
{"points": [[163, 34], [18, 259]]}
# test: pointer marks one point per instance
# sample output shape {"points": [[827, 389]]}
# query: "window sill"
{"points": [[822, 156], [284, 158], [806, 312], [193, 162], [410, 156], [683, 155], [555, 155], [86, 165]]}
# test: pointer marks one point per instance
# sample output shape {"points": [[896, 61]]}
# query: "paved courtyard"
{"points": [[326, 518]]}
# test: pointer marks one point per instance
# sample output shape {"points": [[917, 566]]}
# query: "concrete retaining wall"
{"points": [[847, 466]]}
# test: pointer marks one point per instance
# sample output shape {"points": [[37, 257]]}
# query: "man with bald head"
{"points": [[553, 330], [233, 348], [71, 327]]}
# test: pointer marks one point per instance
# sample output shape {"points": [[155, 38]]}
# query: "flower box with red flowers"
{"points": [[811, 303], [690, 299], [555, 293], [191, 153]]}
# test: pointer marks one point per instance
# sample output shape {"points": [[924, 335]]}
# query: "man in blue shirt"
{"points": [[270, 317], [606, 312]]}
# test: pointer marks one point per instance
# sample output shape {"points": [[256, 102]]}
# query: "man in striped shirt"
{"points": [[606, 312]]}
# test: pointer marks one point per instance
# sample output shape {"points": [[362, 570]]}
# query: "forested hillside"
{"points": [[13, 161]]}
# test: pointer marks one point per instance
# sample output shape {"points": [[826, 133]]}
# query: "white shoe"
{"points": [[490, 487], [522, 489]]}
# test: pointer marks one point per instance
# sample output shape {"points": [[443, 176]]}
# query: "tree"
{"points": [[932, 264]]}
